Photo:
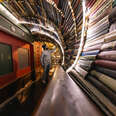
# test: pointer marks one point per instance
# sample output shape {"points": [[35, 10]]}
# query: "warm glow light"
{"points": [[73, 17], [40, 31], [82, 39], [1, 0], [88, 12], [69, 3], [49, 27], [9, 15]]}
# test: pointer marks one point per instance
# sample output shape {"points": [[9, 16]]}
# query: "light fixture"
{"points": [[69, 3], [82, 39]]}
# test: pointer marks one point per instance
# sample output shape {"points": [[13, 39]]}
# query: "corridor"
{"points": [[64, 98], [61, 97], [79, 38]]}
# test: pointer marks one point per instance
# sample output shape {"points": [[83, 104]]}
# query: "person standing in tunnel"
{"points": [[46, 62]]}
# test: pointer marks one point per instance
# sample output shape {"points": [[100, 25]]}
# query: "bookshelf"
{"points": [[96, 64]]}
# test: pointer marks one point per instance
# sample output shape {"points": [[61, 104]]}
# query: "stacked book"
{"points": [[97, 63], [79, 20], [52, 12], [68, 31], [72, 41], [36, 9], [98, 26], [112, 17], [101, 44], [103, 73]]}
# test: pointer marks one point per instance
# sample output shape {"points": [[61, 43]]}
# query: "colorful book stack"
{"points": [[52, 12], [102, 72], [112, 17], [28, 9], [98, 26], [78, 19], [97, 63], [104, 68], [69, 29], [78, 13]]}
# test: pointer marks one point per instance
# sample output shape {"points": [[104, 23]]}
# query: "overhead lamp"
{"points": [[69, 3]]}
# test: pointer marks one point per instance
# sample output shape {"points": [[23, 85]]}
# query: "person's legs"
{"points": [[44, 75], [47, 72]]}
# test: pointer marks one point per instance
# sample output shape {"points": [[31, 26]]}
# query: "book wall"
{"points": [[74, 35], [37, 9], [68, 31], [52, 12], [49, 10], [97, 63], [78, 19], [101, 74], [25, 10], [104, 68], [78, 14], [98, 26]]}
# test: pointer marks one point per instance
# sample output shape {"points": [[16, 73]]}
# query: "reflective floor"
{"points": [[61, 97], [27, 108], [64, 98]]}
